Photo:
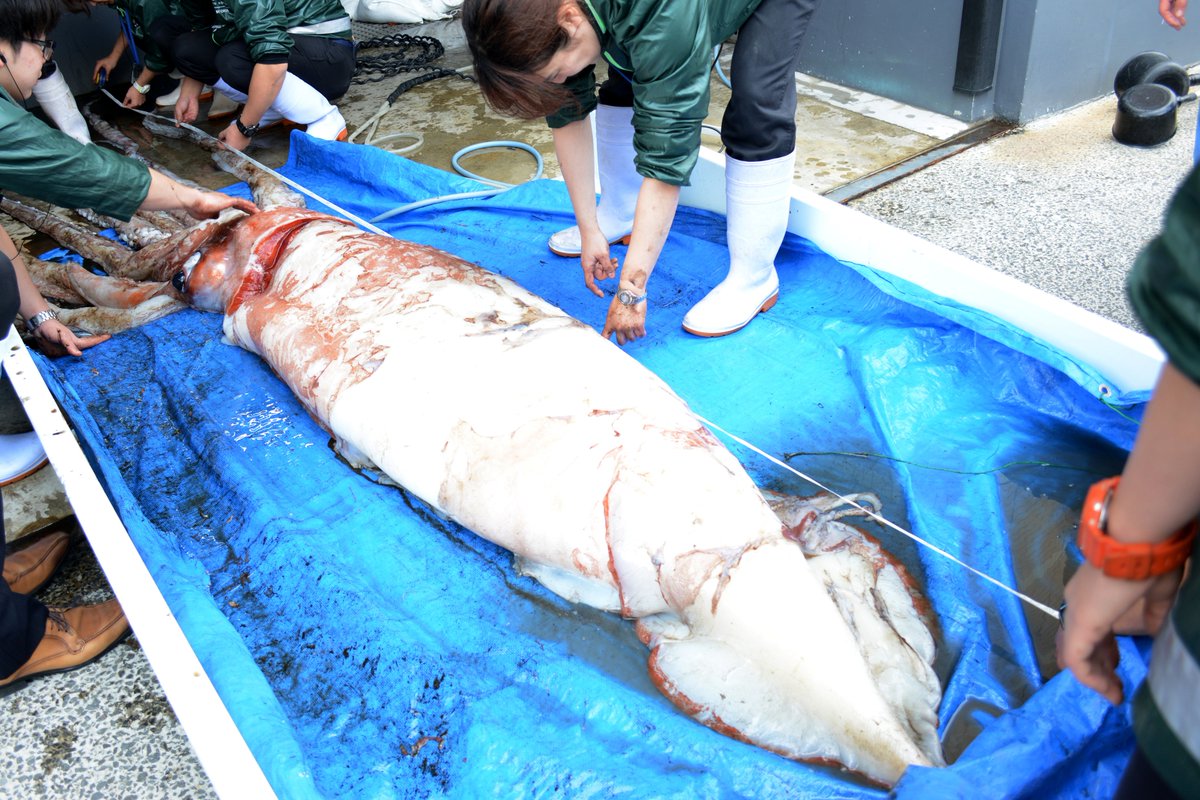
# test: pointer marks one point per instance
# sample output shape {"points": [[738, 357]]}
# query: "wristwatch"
{"points": [[1131, 561], [37, 319], [137, 87], [627, 298], [246, 130]]}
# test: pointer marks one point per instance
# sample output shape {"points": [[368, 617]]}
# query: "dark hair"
{"points": [[22, 20], [510, 40]]}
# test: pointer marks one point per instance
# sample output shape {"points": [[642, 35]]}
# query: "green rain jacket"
{"points": [[44, 163], [267, 25], [141, 15], [1164, 289], [665, 48]]}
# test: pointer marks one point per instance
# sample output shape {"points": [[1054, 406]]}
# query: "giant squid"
{"points": [[768, 619]]}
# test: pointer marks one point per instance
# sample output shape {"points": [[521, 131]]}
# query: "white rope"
{"points": [[881, 520], [362, 223]]}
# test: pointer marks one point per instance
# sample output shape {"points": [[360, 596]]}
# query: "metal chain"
{"points": [[404, 53]]}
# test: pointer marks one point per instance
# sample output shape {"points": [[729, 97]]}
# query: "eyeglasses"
{"points": [[47, 46]]}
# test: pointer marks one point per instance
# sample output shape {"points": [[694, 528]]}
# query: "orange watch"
{"points": [[1131, 561]]}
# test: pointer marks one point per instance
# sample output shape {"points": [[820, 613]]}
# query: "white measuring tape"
{"points": [[881, 520], [362, 223]]}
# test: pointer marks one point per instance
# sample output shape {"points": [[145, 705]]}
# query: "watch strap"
{"points": [[37, 319], [1133, 561], [246, 130], [628, 297]]}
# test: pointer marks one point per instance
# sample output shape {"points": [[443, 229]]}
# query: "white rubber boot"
{"points": [[619, 182], [331, 127], [55, 98], [233, 97], [168, 99], [222, 105], [757, 200], [21, 454], [171, 98], [304, 105]]}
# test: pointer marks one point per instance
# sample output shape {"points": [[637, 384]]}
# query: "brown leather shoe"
{"points": [[28, 570], [74, 636]]}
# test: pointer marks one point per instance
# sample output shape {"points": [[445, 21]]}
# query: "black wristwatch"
{"points": [[246, 130]]}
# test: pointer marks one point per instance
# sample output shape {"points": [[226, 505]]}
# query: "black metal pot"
{"points": [[1151, 67], [1146, 114]]}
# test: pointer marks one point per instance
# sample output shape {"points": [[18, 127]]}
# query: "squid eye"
{"points": [[180, 279]]}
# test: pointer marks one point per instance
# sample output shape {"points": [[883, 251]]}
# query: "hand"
{"points": [[186, 109], [55, 339], [207, 205], [595, 260], [627, 322], [1100, 606], [233, 138], [108, 64], [1172, 12], [133, 98]]}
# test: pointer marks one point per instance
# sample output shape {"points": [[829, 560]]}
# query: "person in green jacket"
{"points": [[285, 59], [1153, 507], [537, 57], [151, 65]]}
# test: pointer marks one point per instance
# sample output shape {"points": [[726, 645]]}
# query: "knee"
{"points": [[234, 65], [761, 140], [188, 51]]}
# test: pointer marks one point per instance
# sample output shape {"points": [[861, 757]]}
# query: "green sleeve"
{"points": [[1164, 284], [43, 163], [263, 25], [671, 58]]}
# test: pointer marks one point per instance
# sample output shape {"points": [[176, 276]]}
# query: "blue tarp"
{"points": [[367, 648]]}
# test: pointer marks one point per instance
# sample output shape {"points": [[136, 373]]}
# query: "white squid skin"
{"points": [[528, 428]]}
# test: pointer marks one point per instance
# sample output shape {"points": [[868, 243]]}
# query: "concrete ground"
{"points": [[1057, 204]]}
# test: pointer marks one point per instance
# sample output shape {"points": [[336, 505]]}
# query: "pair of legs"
{"points": [[319, 71], [759, 133], [35, 640], [22, 618]]}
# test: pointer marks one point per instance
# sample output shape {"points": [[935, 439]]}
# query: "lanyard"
{"points": [[127, 31]]}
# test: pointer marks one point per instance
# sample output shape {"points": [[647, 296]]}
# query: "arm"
{"points": [[1172, 12], [45, 164], [31, 302], [187, 107], [134, 98], [264, 88], [651, 223], [573, 146], [1158, 494], [165, 194], [262, 26]]}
